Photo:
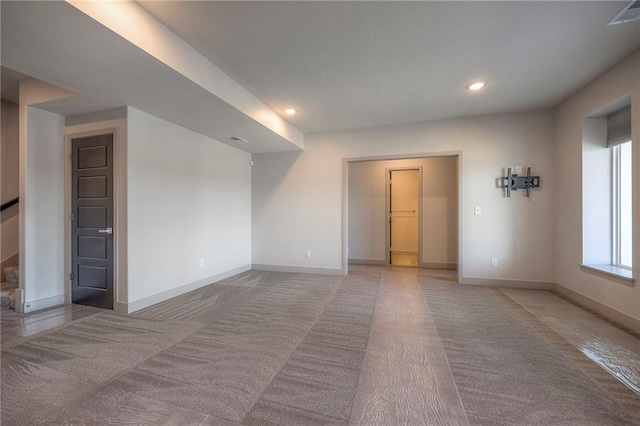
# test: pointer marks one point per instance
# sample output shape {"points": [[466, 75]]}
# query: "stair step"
{"points": [[7, 295], [12, 273]]}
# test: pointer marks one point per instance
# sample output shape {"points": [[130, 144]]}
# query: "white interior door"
{"points": [[404, 194]]}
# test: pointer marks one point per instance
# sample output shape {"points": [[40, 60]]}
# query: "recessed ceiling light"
{"points": [[477, 85], [289, 111]]}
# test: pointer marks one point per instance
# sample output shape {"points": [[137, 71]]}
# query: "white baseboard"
{"points": [[439, 265], [47, 302], [373, 262], [296, 269], [599, 307], [136, 305], [497, 282]]}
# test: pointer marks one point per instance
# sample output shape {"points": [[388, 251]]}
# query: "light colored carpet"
{"points": [[508, 371], [380, 346]]}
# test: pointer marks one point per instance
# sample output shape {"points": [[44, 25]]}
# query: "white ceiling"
{"points": [[361, 64], [60, 44], [340, 64]]}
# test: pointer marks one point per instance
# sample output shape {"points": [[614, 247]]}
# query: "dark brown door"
{"points": [[92, 221]]}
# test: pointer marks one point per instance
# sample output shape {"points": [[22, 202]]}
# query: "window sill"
{"points": [[625, 276]]}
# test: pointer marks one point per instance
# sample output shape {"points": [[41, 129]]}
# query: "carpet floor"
{"points": [[378, 347]]}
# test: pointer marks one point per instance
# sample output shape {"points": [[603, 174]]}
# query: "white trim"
{"points": [[119, 130], [345, 217], [19, 300], [612, 272], [615, 205], [605, 310], [439, 265], [387, 208], [47, 302], [504, 283], [127, 308], [423, 265], [616, 202], [374, 262], [296, 269]]}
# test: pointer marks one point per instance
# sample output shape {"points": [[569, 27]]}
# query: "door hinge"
{"points": [[71, 217], [71, 156], [71, 276]]}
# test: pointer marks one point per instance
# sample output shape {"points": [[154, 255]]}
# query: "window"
{"points": [[607, 193], [621, 208]]}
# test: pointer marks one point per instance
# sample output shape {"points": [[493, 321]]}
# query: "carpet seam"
{"points": [[360, 375], [446, 356], [293, 351]]}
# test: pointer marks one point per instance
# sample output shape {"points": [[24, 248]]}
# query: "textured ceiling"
{"points": [[362, 64]]}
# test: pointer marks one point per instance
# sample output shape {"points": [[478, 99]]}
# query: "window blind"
{"points": [[619, 126]]}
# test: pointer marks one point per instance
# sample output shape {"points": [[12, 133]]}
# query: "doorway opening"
{"points": [[403, 200], [403, 211]]}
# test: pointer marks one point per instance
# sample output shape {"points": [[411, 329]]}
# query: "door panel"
{"points": [[93, 186], [93, 276], [92, 208], [95, 247], [404, 224]]}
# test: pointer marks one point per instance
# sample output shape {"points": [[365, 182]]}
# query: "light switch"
{"points": [[478, 210]]}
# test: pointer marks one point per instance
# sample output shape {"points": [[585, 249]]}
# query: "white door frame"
{"points": [[345, 199], [119, 130], [387, 207]]}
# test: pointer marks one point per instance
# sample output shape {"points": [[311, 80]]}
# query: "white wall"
{"points": [[596, 189], [188, 198], [298, 197], [42, 256], [41, 187], [96, 117], [10, 179], [367, 215], [619, 81]]}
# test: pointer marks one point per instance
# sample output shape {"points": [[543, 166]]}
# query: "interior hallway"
{"points": [[379, 346]]}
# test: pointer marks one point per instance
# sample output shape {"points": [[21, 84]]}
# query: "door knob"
{"points": [[108, 231]]}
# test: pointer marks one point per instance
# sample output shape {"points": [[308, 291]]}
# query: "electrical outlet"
{"points": [[494, 262], [308, 254], [202, 263]]}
